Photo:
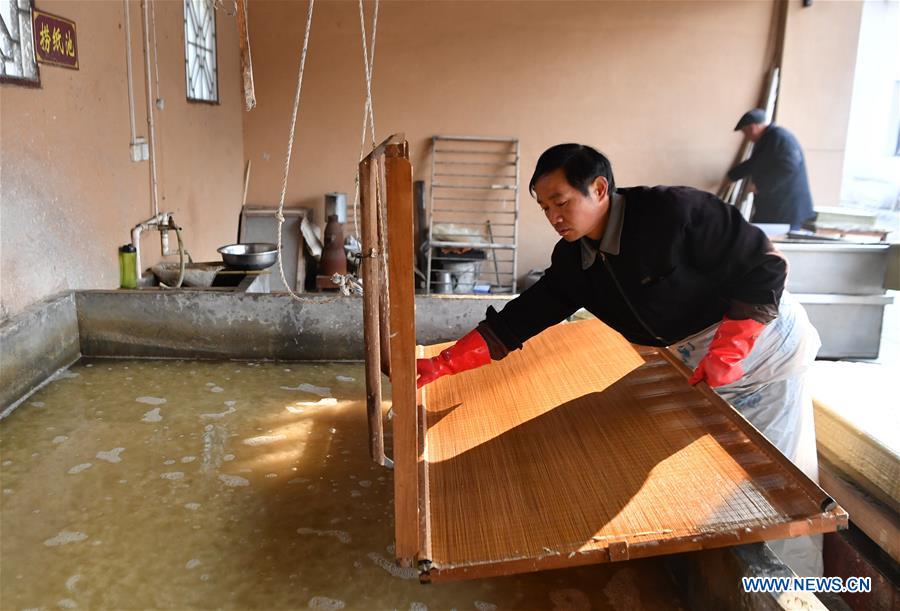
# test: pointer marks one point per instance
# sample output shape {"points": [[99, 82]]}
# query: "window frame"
{"points": [[34, 83], [215, 51]]}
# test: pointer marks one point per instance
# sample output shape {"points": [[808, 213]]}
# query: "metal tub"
{"points": [[848, 269]]}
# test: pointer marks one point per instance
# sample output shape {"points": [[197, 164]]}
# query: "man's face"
{"points": [[572, 214], [753, 131]]}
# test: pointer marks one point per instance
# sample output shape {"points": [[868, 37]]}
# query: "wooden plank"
{"points": [[246, 61], [879, 522], [398, 176], [371, 289], [424, 488], [384, 304], [582, 448]]}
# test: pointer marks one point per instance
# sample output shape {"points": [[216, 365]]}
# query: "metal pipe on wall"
{"points": [[128, 71], [151, 126]]}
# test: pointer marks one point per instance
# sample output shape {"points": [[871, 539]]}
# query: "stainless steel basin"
{"points": [[250, 255]]}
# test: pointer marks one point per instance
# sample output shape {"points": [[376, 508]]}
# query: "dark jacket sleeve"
{"points": [[736, 255], [741, 170], [540, 306]]}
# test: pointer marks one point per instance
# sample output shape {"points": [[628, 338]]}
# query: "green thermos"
{"points": [[127, 271]]}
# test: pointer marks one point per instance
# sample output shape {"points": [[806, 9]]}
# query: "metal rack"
{"points": [[473, 210]]}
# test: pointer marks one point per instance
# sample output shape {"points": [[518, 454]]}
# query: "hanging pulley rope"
{"points": [[287, 159], [368, 123]]}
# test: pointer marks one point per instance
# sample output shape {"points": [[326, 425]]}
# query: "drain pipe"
{"points": [[151, 126], [128, 72]]}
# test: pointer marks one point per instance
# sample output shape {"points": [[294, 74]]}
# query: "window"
{"points": [[897, 117], [17, 63], [200, 50]]}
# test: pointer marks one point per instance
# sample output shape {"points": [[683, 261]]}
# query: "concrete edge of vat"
{"points": [[210, 325], [34, 345], [54, 333]]}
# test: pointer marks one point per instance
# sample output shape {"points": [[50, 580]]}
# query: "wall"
{"points": [[658, 86], [69, 193], [819, 60]]}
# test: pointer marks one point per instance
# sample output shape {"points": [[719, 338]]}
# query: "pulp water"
{"points": [[139, 484]]}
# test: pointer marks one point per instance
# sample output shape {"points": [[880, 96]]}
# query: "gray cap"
{"points": [[757, 115]]}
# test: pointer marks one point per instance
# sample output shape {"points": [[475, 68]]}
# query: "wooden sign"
{"points": [[54, 40]]}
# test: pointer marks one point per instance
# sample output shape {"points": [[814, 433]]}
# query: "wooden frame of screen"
{"points": [[385, 177]]}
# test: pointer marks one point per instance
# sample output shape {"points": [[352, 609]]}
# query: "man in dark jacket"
{"points": [[665, 266], [778, 171]]}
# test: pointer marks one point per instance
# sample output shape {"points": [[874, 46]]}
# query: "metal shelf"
{"points": [[467, 220]]}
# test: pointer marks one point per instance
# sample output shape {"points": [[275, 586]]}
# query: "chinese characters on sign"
{"points": [[54, 40]]}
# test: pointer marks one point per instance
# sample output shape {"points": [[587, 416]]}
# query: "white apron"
{"points": [[774, 396]]}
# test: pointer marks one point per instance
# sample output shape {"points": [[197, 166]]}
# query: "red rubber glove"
{"points": [[732, 343], [468, 353]]}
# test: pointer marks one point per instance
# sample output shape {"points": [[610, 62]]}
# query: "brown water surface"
{"points": [[136, 484]]}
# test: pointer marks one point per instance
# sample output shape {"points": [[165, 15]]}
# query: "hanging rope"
{"points": [[368, 122], [287, 159], [368, 109]]}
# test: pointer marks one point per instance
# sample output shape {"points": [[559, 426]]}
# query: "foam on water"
{"points": [[322, 602], [71, 582], [65, 537], [230, 410], [234, 481], [79, 468], [111, 455], [151, 400], [152, 416], [322, 391], [341, 535]]}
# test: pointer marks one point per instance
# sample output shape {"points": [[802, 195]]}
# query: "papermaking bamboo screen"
{"points": [[581, 448]]}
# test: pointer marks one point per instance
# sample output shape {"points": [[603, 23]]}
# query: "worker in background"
{"points": [[777, 169], [665, 266]]}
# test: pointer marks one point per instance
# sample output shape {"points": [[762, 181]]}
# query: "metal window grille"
{"points": [[17, 62], [200, 66]]}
